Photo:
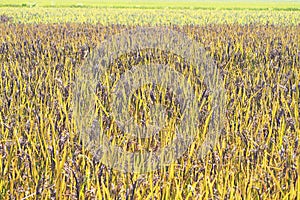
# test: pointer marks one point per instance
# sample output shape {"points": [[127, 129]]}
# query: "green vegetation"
{"points": [[155, 4]]}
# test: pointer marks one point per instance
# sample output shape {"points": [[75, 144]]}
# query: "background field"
{"points": [[254, 5], [131, 16]]}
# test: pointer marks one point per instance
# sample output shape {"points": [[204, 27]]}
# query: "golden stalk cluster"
{"points": [[256, 156]]}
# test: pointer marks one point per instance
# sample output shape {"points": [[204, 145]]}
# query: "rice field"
{"points": [[255, 51]]}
